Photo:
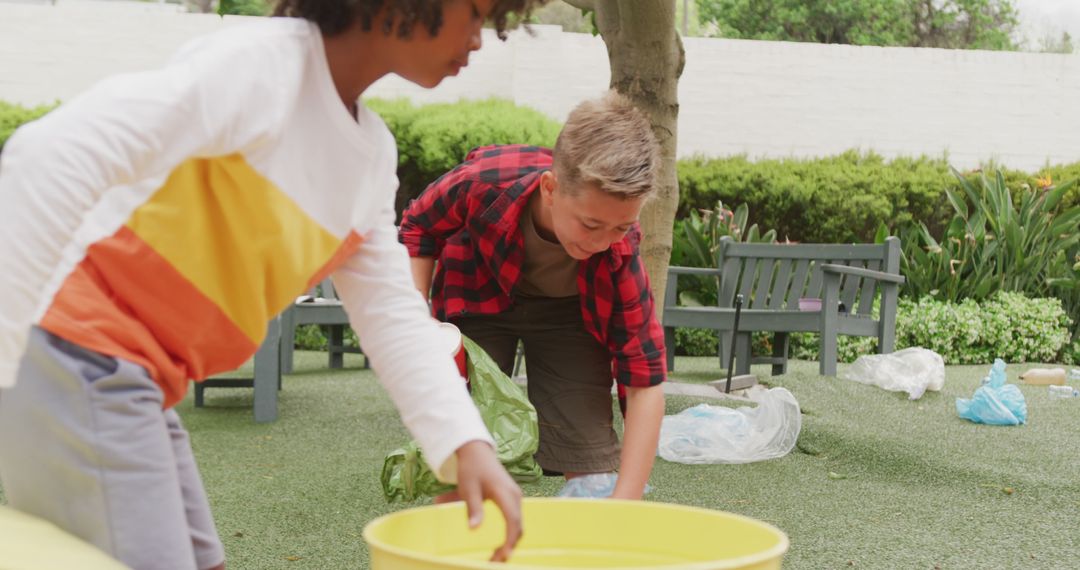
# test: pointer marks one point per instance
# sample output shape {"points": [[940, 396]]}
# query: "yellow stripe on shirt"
{"points": [[236, 237]]}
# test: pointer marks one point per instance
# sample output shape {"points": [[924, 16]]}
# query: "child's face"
{"points": [[426, 60], [587, 221]]}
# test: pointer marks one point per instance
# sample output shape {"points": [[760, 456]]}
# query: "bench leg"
{"points": [[780, 350], [724, 350], [268, 374], [336, 340], [199, 394], [742, 353], [669, 348], [288, 340]]}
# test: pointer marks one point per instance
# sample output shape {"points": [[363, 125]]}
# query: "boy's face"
{"points": [[426, 60], [587, 220]]}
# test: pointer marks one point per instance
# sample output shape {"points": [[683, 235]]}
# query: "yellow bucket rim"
{"points": [[768, 554]]}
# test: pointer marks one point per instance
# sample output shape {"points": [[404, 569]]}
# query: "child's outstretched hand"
{"points": [[481, 476]]}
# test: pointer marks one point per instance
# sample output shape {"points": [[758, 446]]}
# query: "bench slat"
{"points": [[798, 285], [764, 284], [749, 276], [866, 296], [783, 281], [850, 287]]}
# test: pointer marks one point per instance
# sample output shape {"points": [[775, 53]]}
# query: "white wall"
{"points": [[760, 98]]}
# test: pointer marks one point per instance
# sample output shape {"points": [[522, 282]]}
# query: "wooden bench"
{"points": [[275, 355], [772, 278]]}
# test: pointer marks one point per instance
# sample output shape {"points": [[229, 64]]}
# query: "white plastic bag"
{"points": [[715, 434], [912, 370]]}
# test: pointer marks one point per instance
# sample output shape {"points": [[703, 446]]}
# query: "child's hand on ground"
{"points": [[481, 476]]}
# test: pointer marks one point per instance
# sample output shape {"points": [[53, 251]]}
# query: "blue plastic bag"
{"points": [[995, 402], [592, 486]]}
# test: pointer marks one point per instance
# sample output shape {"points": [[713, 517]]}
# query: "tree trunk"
{"points": [[647, 58]]}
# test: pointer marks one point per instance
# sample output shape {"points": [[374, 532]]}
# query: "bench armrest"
{"points": [[857, 271]]}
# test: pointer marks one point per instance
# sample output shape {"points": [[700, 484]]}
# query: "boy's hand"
{"points": [[481, 476]]}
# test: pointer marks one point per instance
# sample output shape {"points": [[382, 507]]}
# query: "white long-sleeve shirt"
{"points": [[163, 217]]}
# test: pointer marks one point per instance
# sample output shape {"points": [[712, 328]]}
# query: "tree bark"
{"points": [[646, 57]]}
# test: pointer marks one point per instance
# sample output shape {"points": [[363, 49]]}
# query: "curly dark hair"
{"points": [[335, 16]]}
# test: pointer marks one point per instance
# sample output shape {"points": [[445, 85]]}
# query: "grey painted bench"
{"points": [[275, 355], [773, 277]]}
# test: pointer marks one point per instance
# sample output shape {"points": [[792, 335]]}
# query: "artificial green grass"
{"points": [[877, 481]]}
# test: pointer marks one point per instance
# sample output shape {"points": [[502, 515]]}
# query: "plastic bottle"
{"points": [[1064, 392], [1044, 376], [1074, 374]]}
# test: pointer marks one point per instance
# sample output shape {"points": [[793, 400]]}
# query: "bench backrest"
{"points": [[776, 276], [326, 289]]}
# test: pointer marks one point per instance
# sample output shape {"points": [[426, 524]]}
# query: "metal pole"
{"points": [[734, 342]]}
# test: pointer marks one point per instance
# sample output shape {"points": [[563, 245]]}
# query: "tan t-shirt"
{"points": [[548, 270]]}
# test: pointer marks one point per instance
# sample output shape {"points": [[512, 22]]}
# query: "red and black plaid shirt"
{"points": [[468, 220]]}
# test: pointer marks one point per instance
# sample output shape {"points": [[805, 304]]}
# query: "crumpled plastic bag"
{"points": [[912, 370], [592, 486], [506, 412], [995, 402], [715, 434]]}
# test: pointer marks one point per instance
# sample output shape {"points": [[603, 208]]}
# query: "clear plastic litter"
{"points": [[995, 402], [715, 434], [1074, 374], [1044, 376], [1063, 392], [592, 486], [913, 370]]}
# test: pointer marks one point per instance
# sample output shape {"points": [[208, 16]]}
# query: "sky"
{"points": [[1042, 18]]}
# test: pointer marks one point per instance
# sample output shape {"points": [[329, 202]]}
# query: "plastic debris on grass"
{"points": [[913, 370], [995, 402], [715, 434], [592, 486]]}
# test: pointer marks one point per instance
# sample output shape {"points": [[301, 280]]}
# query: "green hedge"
{"points": [[12, 116], [433, 139], [839, 199], [1008, 326]]}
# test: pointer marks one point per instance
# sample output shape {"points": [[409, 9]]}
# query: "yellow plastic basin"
{"points": [[29, 543], [577, 533]]}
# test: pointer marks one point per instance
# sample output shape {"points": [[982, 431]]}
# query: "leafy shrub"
{"points": [[840, 199], [1009, 326], [696, 243], [310, 337], [433, 139], [244, 7], [844, 198], [695, 342], [13, 116], [1027, 242]]}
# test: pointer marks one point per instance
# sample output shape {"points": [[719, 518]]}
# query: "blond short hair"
{"points": [[610, 143]]}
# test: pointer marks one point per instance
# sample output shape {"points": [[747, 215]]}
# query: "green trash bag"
{"points": [[506, 412]]}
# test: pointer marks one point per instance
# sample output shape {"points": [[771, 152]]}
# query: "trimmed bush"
{"points": [[840, 199], [13, 116], [433, 139], [1009, 326]]}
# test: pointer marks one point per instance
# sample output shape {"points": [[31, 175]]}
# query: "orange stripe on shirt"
{"points": [[125, 300], [187, 286]]}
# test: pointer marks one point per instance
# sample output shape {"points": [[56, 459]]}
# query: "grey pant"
{"points": [[85, 444], [569, 375]]}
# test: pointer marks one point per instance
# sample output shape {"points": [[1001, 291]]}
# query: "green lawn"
{"points": [[876, 482]]}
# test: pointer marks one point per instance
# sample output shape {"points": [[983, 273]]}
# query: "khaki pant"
{"points": [[570, 379]]}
